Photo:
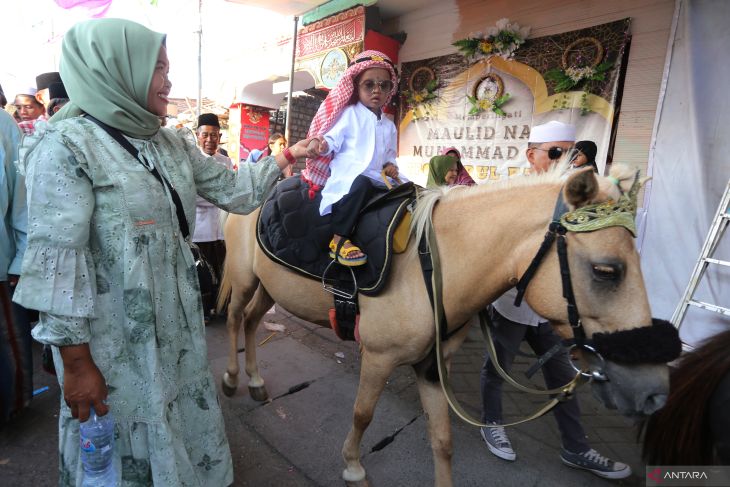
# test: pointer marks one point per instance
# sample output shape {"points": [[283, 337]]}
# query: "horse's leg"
{"points": [[374, 372], [253, 313], [437, 414], [239, 299]]}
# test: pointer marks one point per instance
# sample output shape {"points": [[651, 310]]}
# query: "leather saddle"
{"points": [[291, 232]]}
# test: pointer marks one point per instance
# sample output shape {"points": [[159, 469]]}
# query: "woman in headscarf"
{"points": [[108, 263], [442, 171], [462, 175], [585, 155]]}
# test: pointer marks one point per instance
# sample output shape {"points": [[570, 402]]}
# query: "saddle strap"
{"points": [[428, 262]]}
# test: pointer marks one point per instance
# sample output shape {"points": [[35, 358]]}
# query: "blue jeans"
{"points": [[557, 372]]}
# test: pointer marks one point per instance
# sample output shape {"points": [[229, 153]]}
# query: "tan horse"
{"points": [[487, 236]]}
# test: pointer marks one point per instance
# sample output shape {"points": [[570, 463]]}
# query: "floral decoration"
{"points": [[424, 96], [579, 69], [422, 91], [479, 105], [501, 40], [570, 77]]}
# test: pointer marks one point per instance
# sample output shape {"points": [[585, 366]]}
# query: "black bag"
{"points": [[206, 275], [47, 360]]}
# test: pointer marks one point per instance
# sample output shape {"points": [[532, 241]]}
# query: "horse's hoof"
{"points": [[258, 393], [361, 483], [354, 477], [228, 390]]}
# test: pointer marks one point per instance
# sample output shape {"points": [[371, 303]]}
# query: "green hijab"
{"points": [[107, 67], [438, 166]]}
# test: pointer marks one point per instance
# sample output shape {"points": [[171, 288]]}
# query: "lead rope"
{"points": [[563, 393]]}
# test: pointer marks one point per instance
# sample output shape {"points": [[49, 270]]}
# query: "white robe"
{"points": [[208, 226], [362, 144]]}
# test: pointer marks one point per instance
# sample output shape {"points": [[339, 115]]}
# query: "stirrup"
{"points": [[339, 292]]}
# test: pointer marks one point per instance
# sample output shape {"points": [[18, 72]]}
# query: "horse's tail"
{"points": [[224, 291]]}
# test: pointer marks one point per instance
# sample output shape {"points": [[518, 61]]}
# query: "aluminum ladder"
{"points": [[718, 227]]}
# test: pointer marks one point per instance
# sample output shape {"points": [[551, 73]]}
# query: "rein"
{"points": [[638, 345], [428, 246]]}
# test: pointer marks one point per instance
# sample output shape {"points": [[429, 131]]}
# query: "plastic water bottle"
{"points": [[97, 447]]}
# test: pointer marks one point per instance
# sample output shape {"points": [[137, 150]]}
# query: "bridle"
{"points": [[658, 343], [557, 233]]}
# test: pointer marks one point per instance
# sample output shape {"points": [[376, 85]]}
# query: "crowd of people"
{"points": [[99, 201]]}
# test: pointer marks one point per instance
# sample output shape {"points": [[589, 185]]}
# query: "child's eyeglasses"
{"points": [[385, 85], [554, 153]]}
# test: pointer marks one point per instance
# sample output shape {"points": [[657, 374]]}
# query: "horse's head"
{"points": [[611, 322]]}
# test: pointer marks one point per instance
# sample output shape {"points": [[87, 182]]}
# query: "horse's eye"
{"points": [[607, 272]]}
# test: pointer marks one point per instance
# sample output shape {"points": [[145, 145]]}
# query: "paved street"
{"points": [[295, 439]]}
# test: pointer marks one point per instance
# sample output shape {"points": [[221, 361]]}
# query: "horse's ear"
{"points": [[580, 188]]}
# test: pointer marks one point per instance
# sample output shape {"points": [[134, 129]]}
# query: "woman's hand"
{"points": [[391, 170], [304, 148], [316, 147], [83, 384]]}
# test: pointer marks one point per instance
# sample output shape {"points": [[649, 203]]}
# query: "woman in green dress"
{"points": [[109, 269]]}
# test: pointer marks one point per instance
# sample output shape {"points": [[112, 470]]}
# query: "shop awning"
{"points": [[270, 92]]}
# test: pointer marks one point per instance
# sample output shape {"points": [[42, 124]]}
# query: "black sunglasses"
{"points": [[554, 153], [385, 85]]}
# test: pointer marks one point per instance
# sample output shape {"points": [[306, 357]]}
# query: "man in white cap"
{"points": [[29, 109], [546, 145]]}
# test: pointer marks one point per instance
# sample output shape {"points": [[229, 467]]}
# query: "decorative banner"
{"points": [[253, 129], [486, 109], [325, 48]]}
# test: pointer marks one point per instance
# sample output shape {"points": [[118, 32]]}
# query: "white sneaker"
{"points": [[596, 463], [498, 442]]}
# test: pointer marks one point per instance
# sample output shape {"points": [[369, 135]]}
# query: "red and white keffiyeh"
{"points": [[317, 170]]}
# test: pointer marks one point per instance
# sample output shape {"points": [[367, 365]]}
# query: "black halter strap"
{"points": [[556, 231]]}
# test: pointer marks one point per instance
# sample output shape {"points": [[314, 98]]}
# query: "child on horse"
{"points": [[353, 143]]}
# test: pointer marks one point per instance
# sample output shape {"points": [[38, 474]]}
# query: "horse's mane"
{"points": [[427, 199], [680, 433]]}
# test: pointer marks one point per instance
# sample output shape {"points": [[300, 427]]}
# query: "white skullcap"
{"points": [[552, 132], [29, 91]]}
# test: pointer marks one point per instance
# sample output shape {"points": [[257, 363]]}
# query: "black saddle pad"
{"points": [[291, 232]]}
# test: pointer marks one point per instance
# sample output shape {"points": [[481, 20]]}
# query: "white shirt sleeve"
{"points": [[522, 314], [335, 136]]}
